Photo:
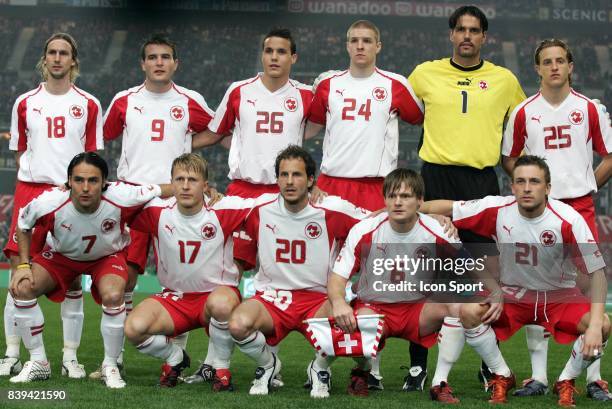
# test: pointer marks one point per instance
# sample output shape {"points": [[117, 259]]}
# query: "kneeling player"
{"points": [[539, 286], [294, 242], [407, 315], [87, 224], [195, 265]]}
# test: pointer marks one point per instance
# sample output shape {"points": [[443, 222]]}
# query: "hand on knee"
{"points": [[471, 315]]}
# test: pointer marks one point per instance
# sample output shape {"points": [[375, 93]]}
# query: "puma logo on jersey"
{"points": [[537, 118], [139, 109], [170, 228], [39, 110], [381, 248], [340, 91], [273, 228], [66, 226], [251, 101], [508, 229]]}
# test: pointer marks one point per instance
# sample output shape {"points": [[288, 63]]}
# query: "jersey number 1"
{"points": [[464, 102]]}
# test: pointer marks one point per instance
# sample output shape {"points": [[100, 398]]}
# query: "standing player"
{"points": [[196, 267], [467, 100], [359, 109], [156, 121], [55, 121], [87, 224], [263, 115], [294, 242], [534, 233], [564, 127], [400, 230]]}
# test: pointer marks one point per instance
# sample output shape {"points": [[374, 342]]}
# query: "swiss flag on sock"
{"points": [[330, 340]]}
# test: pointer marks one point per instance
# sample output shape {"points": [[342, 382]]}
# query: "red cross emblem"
{"points": [[76, 112], [108, 225], [291, 104], [576, 117], [209, 231], [177, 113], [379, 93], [313, 230], [548, 238]]}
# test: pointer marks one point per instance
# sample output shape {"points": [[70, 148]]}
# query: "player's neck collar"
{"points": [[462, 68]]}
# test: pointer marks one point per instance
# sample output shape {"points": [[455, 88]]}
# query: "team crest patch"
{"points": [[421, 252], [177, 113], [76, 111], [47, 254], [209, 231], [291, 104], [313, 230], [108, 225], [379, 94], [576, 117], [548, 238], [483, 84]]}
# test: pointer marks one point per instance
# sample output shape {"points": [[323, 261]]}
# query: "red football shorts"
{"points": [[248, 190], [288, 309], [401, 321], [558, 311], [64, 270], [186, 309], [362, 192], [585, 206], [25, 192]]}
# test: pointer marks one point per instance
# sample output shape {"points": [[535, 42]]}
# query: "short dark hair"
{"points": [[282, 33], [393, 181], [159, 39], [534, 160], [91, 158], [296, 152], [472, 11]]}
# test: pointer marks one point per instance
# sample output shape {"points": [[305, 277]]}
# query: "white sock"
{"points": [[482, 339], [181, 340], [128, 296], [375, 366], [223, 343], [111, 326], [210, 354], [72, 323], [11, 335], [30, 324], [450, 344], [594, 371], [160, 346], [537, 344], [254, 346], [575, 364], [322, 363]]}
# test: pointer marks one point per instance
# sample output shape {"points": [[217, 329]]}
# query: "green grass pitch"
{"points": [[142, 374]]}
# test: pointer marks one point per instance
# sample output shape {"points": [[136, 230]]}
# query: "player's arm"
{"points": [[342, 312], [603, 172], [312, 129], [226, 142], [593, 336], [18, 159], [508, 164], [23, 272], [204, 139], [442, 207]]}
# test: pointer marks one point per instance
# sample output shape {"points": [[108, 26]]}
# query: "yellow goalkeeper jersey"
{"points": [[465, 110]]}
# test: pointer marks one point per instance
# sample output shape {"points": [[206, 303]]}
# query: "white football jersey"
{"points": [[52, 129], [156, 129], [195, 253], [533, 252], [87, 237], [373, 239], [262, 124], [295, 250], [361, 126], [565, 136]]}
